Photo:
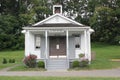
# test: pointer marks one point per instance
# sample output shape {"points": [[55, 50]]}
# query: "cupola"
{"points": [[57, 9]]}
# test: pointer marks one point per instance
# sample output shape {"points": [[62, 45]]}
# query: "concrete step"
{"points": [[56, 64]]}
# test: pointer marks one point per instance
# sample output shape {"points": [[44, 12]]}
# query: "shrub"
{"points": [[75, 64], [4, 61], [41, 64], [81, 55], [10, 60], [117, 40], [30, 61], [13, 60], [84, 63]]}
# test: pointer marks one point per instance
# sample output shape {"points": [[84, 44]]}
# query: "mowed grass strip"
{"points": [[54, 78]]}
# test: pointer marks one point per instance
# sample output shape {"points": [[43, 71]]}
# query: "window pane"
{"points": [[77, 42], [37, 42]]}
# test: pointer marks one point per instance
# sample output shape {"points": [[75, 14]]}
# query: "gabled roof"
{"points": [[59, 25], [58, 20]]}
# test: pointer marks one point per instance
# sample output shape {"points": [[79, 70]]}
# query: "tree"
{"points": [[103, 22], [9, 7], [102, 15], [15, 14], [10, 33]]}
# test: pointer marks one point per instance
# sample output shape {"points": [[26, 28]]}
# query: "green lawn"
{"points": [[54, 78], [103, 52], [17, 55]]}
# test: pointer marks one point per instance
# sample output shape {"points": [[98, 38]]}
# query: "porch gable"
{"points": [[58, 19]]}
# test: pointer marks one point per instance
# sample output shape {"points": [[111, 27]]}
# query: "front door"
{"points": [[57, 46]]}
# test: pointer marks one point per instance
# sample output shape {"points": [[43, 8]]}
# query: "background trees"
{"points": [[105, 21], [102, 15]]}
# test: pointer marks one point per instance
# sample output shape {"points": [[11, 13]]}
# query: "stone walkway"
{"points": [[81, 73]]}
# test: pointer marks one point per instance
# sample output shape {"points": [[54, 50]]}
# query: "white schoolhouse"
{"points": [[57, 40]]}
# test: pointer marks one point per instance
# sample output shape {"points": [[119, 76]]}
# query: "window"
{"points": [[37, 41], [77, 41]]}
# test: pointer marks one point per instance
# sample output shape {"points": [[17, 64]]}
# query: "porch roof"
{"points": [[59, 25]]}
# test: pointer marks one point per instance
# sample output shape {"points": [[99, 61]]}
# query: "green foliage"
{"points": [[117, 40], [10, 33], [9, 7], [103, 23], [102, 15], [41, 64], [4, 61], [84, 63], [11, 60], [81, 55], [75, 64], [15, 14]]}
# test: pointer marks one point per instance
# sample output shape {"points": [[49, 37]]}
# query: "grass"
{"points": [[104, 53], [54, 78], [17, 55], [22, 67]]}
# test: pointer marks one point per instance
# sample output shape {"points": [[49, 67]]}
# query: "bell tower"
{"points": [[57, 9]]}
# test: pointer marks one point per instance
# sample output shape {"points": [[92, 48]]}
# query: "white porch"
{"points": [[71, 51], [77, 40]]}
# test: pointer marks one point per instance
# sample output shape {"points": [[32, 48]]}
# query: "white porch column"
{"points": [[67, 47], [67, 44], [85, 40], [46, 44], [27, 44], [89, 45]]}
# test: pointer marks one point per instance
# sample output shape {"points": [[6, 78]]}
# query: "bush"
{"points": [[75, 64], [4, 61], [84, 63], [41, 64], [117, 40], [30, 61], [81, 55], [11, 60]]}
